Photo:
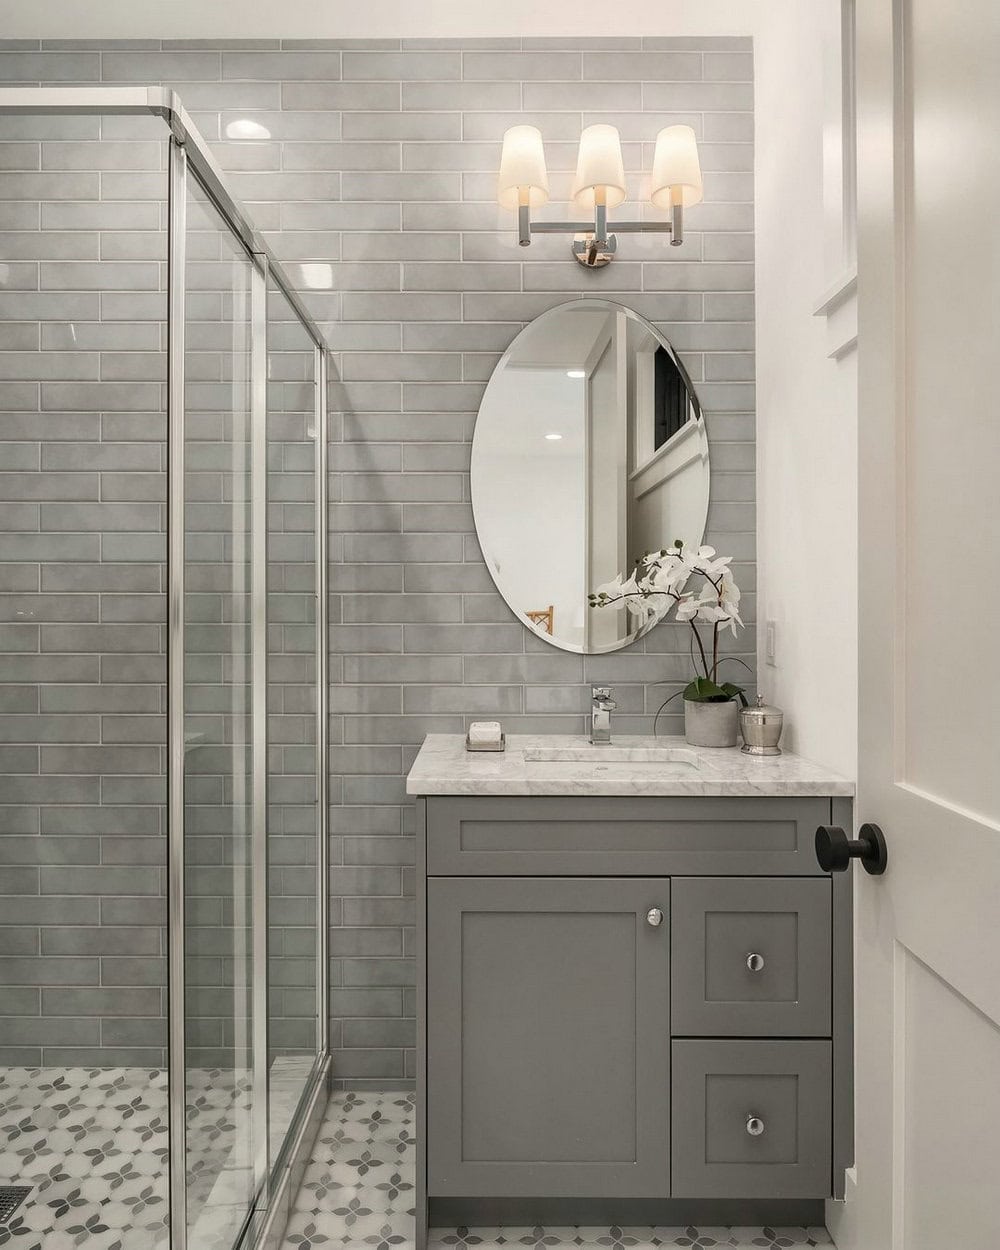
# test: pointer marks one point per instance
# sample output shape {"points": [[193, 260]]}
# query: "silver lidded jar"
{"points": [[761, 728]]}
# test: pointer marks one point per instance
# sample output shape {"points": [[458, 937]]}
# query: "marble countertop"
{"points": [[632, 765]]}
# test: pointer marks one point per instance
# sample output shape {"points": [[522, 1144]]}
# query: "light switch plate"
{"points": [[771, 642]]}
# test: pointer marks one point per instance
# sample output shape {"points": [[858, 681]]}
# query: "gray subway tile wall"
{"points": [[376, 186], [82, 840]]}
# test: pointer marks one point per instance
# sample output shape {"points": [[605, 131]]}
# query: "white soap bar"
{"points": [[485, 733]]}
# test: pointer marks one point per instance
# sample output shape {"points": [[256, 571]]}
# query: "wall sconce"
{"points": [[599, 185]]}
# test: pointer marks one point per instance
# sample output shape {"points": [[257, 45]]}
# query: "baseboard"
{"points": [[564, 1212]]}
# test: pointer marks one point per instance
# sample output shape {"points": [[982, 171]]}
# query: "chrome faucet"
{"points": [[600, 715]]}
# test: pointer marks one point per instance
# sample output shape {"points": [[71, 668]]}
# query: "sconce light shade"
{"points": [[522, 168], [676, 166], [599, 166]]}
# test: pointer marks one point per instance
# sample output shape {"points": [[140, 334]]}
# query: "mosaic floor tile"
{"points": [[357, 1194], [92, 1143]]}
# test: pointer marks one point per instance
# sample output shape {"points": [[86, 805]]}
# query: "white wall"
{"points": [[806, 402]]}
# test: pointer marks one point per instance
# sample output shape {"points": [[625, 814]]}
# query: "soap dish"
{"points": [[486, 746]]}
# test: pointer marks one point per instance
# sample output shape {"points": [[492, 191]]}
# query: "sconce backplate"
{"points": [[591, 256]]}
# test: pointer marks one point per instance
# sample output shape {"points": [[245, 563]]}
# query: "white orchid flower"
{"points": [[646, 607], [667, 576], [714, 569], [730, 598], [688, 608], [611, 590], [656, 584], [690, 560]]}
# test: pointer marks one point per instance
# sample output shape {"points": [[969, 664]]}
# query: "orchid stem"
{"points": [[715, 652], [704, 657]]}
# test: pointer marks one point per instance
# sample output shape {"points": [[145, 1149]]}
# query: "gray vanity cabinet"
{"points": [[547, 1028], [638, 1003]]}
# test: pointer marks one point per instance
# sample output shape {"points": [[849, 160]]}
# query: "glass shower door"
{"points": [[246, 523], [223, 737]]}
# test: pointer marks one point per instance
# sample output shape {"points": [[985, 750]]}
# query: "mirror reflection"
{"points": [[589, 450]]}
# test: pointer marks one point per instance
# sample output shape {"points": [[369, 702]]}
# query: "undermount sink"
{"points": [[677, 758]]}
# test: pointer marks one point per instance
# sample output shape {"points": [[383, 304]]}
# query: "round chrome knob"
{"points": [[755, 1125], [654, 917], [755, 962]]}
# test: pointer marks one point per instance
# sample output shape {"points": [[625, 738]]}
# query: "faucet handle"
{"points": [[602, 697]]}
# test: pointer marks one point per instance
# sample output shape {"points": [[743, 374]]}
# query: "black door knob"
{"points": [[835, 850]]}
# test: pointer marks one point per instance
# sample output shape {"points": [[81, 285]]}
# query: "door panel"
{"points": [[947, 1148], [928, 1018], [548, 1037]]}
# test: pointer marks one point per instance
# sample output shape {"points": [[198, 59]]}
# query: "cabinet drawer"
{"points": [[599, 836], [751, 957], [751, 1119]]}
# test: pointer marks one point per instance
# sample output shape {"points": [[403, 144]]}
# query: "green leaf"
{"points": [[701, 690], [734, 692]]}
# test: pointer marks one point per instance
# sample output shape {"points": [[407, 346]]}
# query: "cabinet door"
{"points": [[548, 1037]]}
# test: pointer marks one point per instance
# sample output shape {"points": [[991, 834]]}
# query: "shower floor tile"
{"points": [[92, 1144], [357, 1194]]}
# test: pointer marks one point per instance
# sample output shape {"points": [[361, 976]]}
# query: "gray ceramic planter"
{"points": [[711, 724]]}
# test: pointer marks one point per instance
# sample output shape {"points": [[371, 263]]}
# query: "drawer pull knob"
{"points": [[755, 962], [654, 917], [755, 1125]]}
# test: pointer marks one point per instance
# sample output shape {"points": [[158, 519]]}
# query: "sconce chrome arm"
{"points": [[620, 227], [597, 230]]}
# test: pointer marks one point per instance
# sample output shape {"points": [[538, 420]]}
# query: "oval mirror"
{"points": [[589, 450]]}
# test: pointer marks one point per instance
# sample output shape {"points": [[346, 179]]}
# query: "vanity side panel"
{"points": [[634, 836], [842, 814]]}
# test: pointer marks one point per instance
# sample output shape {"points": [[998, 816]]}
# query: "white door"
{"points": [[927, 1170]]}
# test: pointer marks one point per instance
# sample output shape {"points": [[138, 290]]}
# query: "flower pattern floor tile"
{"points": [[92, 1144], [358, 1193]]}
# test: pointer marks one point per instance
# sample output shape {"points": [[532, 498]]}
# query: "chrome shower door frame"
{"points": [[176, 981], [189, 157]]}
